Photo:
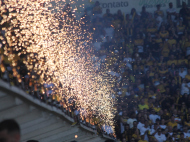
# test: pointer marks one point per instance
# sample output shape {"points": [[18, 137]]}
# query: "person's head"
{"points": [[107, 38], [107, 11], [119, 12], [174, 134], [124, 140], [174, 47], [171, 36], [173, 81], [175, 129], [143, 9], [170, 5], [153, 111], [170, 128], [162, 121], [155, 126], [134, 124], [158, 121], [133, 115], [172, 119], [97, 3], [156, 75], [185, 95], [127, 127], [132, 139], [138, 36], [158, 7], [177, 73], [172, 57], [163, 28], [165, 111], [142, 101], [133, 10], [184, 5], [146, 123], [170, 139], [142, 136], [141, 118], [181, 135], [185, 129], [183, 105], [9, 131], [159, 131], [175, 111], [124, 113]]}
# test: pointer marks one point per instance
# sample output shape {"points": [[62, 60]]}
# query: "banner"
{"points": [[125, 5]]}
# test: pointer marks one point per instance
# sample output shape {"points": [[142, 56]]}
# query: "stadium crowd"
{"points": [[149, 56]]}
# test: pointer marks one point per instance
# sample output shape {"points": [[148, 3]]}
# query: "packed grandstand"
{"points": [[148, 55]]}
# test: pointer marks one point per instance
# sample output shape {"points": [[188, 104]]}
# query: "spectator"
{"points": [[140, 123], [9, 131], [142, 105], [180, 28], [144, 130], [132, 119], [159, 15], [153, 117], [144, 13], [108, 17], [159, 136], [171, 12], [187, 77], [164, 33], [97, 10], [162, 125], [182, 72], [184, 13], [172, 122]]}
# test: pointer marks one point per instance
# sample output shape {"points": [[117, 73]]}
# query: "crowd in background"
{"points": [[149, 56]]}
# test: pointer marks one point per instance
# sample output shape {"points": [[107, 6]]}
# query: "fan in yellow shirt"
{"points": [[142, 139], [163, 33], [172, 60], [188, 75], [172, 123], [151, 28], [142, 105], [171, 40]]}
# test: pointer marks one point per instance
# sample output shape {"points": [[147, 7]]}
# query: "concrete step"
{"points": [[14, 111], [83, 138], [52, 132], [95, 139], [39, 124], [2, 94], [6, 102], [32, 115], [59, 135], [38, 133], [81, 135]]}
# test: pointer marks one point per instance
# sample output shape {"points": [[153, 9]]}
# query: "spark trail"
{"points": [[53, 48]]}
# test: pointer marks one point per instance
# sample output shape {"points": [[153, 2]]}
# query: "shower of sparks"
{"points": [[53, 47]]}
